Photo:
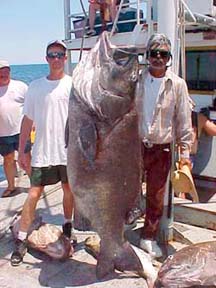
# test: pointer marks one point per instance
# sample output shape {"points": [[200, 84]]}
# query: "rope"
{"points": [[9, 226], [85, 22], [116, 18], [127, 52]]}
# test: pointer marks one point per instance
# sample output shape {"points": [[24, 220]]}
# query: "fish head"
{"points": [[119, 72], [168, 271], [189, 266]]}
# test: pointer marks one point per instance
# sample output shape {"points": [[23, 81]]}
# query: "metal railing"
{"points": [[71, 17], [191, 18]]}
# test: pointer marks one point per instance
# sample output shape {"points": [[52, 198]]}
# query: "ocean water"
{"points": [[2, 176], [26, 73]]}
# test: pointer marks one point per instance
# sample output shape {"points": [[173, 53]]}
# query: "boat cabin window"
{"points": [[201, 69]]}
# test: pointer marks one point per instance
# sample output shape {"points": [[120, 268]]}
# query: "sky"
{"points": [[26, 26]]}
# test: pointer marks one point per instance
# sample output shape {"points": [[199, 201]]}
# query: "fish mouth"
{"points": [[123, 56]]}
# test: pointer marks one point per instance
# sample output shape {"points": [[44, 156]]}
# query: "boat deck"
{"points": [[79, 271]]}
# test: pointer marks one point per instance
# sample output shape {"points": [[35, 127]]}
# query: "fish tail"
{"points": [[105, 266], [127, 259], [121, 258]]}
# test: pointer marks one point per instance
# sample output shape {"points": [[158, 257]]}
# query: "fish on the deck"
{"points": [[45, 237], [104, 149], [192, 266]]}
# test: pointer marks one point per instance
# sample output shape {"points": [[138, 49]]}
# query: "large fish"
{"points": [[104, 149], [192, 266]]}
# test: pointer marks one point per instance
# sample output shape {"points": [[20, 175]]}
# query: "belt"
{"points": [[149, 145]]}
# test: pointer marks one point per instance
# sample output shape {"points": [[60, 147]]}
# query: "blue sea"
{"points": [[26, 73], [2, 177]]}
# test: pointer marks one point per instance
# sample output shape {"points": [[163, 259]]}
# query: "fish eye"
{"points": [[170, 257]]}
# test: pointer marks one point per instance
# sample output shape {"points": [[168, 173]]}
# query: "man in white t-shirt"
{"points": [[12, 93], [46, 105]]}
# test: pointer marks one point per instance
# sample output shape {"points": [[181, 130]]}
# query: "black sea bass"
{"points": [[192, 266], [104, 149]]}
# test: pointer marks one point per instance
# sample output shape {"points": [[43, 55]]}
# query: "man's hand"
{"points": [[24, 161], [185, 161]]}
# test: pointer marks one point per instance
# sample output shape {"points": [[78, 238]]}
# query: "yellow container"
{"points": [[32, 136]]}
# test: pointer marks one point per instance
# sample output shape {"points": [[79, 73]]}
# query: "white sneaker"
{"points": [[151, 247]]}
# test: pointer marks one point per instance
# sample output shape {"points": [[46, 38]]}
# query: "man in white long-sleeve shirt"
{"points": [[165, 116]]}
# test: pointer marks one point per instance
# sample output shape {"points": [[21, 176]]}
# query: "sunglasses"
{"points": [[53, 55], [162, 53]]}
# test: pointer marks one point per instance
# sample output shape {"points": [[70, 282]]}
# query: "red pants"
{"points": [[156, 167]]}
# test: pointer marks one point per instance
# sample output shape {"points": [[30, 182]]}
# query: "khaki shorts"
{"points": [[42, 176]]}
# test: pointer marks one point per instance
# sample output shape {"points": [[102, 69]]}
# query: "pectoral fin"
{"points": [[88, 141]]}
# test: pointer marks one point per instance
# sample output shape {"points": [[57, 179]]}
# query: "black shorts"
{"points": [[9, 144], [42, 176]]}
